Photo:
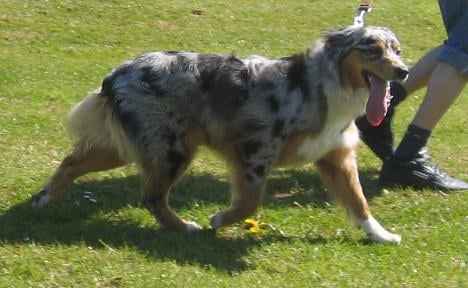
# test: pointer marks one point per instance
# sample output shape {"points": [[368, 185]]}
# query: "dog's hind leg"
{"points": [[156, 199], [160, 173], [339, 171], [79, 162]]}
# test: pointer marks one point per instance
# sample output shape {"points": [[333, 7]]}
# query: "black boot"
{"points": [[380, 139], [418, 173], [410, 165]]}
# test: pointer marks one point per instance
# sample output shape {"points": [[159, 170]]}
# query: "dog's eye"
{"points": [[373, 52], [398, 52]]}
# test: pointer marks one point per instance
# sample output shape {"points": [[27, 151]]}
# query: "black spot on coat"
{"points": [[249, 177], [171, 138], [182, 64], [107, 87], [129, 121], [259, 170], [176, 159], [152, 77], [273, 103], [297, 75], [277, 128], [251, 147], [367, 41], [225, 80]]}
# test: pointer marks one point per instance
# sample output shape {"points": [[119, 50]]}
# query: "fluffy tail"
{"points": [[91, 124]]}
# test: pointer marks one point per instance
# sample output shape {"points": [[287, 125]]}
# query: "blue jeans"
{"points": [[455, 16]]}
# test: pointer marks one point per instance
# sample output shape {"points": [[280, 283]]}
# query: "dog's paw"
{"points": [[192, 227], [385, 238], [41, 199], [216, 221], [377, 233]]}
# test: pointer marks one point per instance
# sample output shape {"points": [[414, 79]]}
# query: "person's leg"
{"points": [[410, 165], [443, 88], [449, 65]]}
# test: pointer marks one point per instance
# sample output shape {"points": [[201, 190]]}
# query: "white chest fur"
{"points": [[315, 147], [337, 132]]}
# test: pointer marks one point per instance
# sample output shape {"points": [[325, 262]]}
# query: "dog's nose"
{"points": [[401, 73]]}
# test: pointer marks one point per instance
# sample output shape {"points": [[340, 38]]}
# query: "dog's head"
{"points": [[368, 57]]}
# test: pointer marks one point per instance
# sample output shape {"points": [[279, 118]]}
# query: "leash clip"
{"points": [[361, 12]]}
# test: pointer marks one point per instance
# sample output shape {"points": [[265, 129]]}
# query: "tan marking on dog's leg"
{"points": [[289, 154], [338, 170], [76, 164], [246, 196]]}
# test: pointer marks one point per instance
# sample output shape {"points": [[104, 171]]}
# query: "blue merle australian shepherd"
{"points": [[257, 113]]}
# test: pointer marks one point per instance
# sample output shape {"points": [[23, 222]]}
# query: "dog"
{"points": [[257, 113]]}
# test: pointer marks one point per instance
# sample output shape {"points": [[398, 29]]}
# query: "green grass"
{"points": [[53, 52]]}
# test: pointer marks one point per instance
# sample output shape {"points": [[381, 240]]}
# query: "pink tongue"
{"points": [[379, 98]]}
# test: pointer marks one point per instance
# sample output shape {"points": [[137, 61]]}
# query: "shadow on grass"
{"points": [[74, 220]]}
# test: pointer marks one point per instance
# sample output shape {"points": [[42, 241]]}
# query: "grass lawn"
{"points": [[52, 53]]}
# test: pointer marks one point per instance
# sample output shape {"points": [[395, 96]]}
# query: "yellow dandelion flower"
{"points": [[253, 225]]}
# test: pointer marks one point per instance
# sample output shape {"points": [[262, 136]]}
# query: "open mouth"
{"points": [[379, 98]]}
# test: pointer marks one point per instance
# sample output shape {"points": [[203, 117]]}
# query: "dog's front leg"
{"points": [[338, 170], [247, 190]]}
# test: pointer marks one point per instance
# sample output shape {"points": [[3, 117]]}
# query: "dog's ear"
{"points": [[340, 41]]}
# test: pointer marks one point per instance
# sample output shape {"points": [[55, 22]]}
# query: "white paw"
{"points": [[41, 199], [216, 221], [385, 238], [192, 227], [377, 233]]}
